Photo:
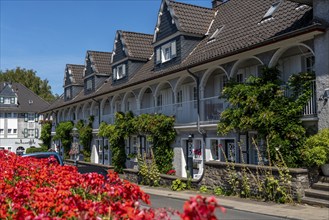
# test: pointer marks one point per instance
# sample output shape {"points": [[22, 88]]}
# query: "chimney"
{"points": [[216, 3]]}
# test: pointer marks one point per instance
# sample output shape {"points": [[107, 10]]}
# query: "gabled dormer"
{"points": [[179, 28], [97, 70], [131, 50], [73, 80], [8, 96]]}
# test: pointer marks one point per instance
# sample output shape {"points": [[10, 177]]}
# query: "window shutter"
{"points": [[25, 117], [158, 56], [25, 133], [36, 133], [173, 49], [36, 117], [114, 73], [123, 70]]}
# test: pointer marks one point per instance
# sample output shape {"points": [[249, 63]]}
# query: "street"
{"points": [[177, 204]]}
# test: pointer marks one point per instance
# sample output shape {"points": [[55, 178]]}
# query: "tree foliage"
{"points": [[262, 104], [46, 133], [63, 133], [158, 128], [85, 136], [29, 79]]}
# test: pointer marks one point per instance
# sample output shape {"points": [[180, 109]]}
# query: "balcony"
{"points": [[211, 108]]}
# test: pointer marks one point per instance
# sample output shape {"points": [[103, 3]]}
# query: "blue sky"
{"points": [[46, 35]]}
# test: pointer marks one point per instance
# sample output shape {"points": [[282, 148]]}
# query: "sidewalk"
{"points": [[281, 210]]}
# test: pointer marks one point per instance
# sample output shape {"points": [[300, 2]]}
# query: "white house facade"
{"points": [[182, 68]]}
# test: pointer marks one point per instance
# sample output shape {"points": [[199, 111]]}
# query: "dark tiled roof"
{"points": [[28, 101], [139, 45], [77, 73], [243, 26], [242, 30], [101, 61], [191, 18]]}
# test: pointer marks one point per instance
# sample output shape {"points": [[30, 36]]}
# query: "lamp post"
{"points": [[189, 154], [75, 145]]}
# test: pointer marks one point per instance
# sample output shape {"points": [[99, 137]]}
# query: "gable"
{"points": [[167, 25], [119, 52], [7, 91]]}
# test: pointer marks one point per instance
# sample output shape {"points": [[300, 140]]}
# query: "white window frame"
{"points": [[89, 84], [119, 72], [166, 52]]}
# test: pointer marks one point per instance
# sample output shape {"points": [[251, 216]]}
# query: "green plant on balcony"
{"points": [[261, 104]]}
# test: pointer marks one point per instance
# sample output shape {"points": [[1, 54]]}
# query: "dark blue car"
{"points": [[46, 155]]}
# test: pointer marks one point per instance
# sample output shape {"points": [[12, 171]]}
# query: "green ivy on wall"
{"points": [[158, 128], [85, 136], [45, 136], [63, 133], [260, 104]]}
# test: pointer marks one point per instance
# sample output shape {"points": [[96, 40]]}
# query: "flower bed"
{"points": [[41, 189]]}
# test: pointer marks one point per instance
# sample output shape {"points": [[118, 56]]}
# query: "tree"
{"points": [[29, 79], [46, 133], [262, 104]]}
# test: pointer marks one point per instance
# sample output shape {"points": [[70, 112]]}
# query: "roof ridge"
{"points": [[75, 64], [197, 6], [98, 51], [133, 32]]}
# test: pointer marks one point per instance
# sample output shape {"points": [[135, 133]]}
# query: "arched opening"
{"points": [[147, 101], [211, 103], [164, 99], [245, 68], [186, 100], [130, 103]]}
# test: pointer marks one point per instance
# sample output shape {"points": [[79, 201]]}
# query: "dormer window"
{"points": [[271, 10], [166, 52], [89, 84], [7, 100], [119, 72]]}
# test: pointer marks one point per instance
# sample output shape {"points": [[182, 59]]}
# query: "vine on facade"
{"points": [[63, 133], [45, 136], [262, 104], [158, 128], [85, 136]]}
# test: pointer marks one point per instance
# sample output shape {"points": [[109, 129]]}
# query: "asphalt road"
{"points": [[177, 204]]}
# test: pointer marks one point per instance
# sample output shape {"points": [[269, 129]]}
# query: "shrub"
{"points": [[39, 189], [203, 189], [316, 149], [178, 185], [36, 149], [218, 191]]}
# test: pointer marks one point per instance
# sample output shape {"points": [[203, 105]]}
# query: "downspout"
{"points": [[203, 133]]}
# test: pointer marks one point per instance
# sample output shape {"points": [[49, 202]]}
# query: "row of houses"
{"points": [[183, 66]]}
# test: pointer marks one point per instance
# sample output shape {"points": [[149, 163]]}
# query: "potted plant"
{"points": [[316, 151]]}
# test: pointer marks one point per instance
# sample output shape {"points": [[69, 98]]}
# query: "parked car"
{"points": [[46, 155]]}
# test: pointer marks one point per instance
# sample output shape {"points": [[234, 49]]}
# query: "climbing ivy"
{"points": [[63, 133], [45, 136], [159, 129], [262, 104], [85, 136]]}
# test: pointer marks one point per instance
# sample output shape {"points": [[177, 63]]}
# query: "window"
{"points": [[31, 116], [15, 131], [68, 93], [9, 131], [12, 100], [30, 132], [195, 96], [1, 100], [215, 34], [89, 84], [309, 63], [1, 131], [271, 11], [166, 52], [159, 100], [179, 98], [119, 72], [6, 100], [239, 77]]}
